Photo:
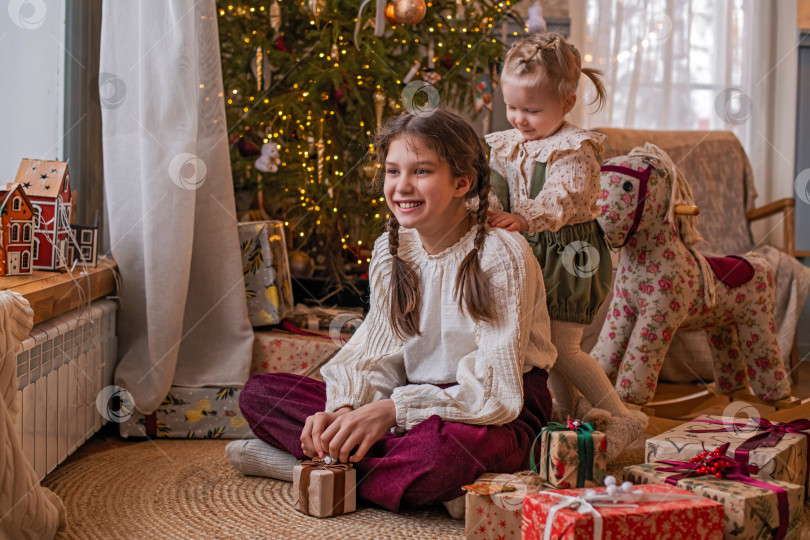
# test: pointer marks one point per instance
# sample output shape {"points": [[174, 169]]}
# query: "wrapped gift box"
{"points": [[786, 461], [266, 271], [750, 512], [561, 464], [494, 505], [671, 518], [324, 490], [192, 413], [276, 351]]}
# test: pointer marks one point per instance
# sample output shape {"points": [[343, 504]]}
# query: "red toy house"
{"points": [[47, 184], [16, 232]]}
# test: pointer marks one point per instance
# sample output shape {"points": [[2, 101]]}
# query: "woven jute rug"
{"points": [[188, 489]]}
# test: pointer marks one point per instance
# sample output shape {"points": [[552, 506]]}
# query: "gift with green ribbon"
{"points": [[573, 454]]}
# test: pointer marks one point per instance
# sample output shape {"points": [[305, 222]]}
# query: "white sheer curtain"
{"points": [[704, 65], [170, 199]]}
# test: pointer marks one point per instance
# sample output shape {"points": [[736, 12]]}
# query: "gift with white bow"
{"points": [[657, 512]]}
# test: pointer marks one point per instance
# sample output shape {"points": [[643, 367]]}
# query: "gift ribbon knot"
{"points": [[769, 434]]}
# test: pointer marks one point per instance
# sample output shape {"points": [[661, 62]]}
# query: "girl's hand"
{"points": [[314, 426], [510, 222], [360, 428]]}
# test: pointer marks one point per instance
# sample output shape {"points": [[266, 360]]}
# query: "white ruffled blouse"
{"points": [[486, 359], [572, 175]]}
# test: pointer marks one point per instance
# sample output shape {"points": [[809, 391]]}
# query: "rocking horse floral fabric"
{"points": [[662, 285]]}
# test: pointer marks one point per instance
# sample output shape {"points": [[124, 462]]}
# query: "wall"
{"points": [[803, 12], [32, 60]]}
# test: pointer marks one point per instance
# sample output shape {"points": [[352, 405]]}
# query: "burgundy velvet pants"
{"points": [[427, 464]]}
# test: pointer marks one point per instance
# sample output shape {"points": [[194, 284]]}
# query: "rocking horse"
{"points": [[663, 284]]}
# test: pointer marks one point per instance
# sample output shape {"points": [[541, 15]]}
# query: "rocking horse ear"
{"points": [[656, 164]]}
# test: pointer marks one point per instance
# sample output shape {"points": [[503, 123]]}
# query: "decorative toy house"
{"points": [[47, 184], [16, 231], [84, 244]]}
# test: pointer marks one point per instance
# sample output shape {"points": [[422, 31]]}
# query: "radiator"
{"points": [[61, 368]]}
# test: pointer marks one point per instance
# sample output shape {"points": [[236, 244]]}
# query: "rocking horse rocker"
{"points": [[663, 284]]}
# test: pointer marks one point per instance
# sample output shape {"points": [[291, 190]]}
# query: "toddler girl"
{"points": [[545, 180]]}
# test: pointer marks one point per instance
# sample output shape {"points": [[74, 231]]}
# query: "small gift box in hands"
{"points": [[324, 487]]}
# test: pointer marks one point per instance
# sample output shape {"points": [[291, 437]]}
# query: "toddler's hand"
{"points": [[510, 222]]}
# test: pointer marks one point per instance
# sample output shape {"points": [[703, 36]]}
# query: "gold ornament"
{"points": [[379, 106], [389, 14], [409, 11], [301, 264], [317, 7]]}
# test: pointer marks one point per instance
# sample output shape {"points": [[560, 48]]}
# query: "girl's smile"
{"points": [[423, 194]]}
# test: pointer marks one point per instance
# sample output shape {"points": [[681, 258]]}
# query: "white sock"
{"points": [[254, 457], [456, 507]]}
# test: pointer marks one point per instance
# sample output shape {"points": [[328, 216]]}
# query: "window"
{"points": [[16, 205], [37, 218], [27, 232], [669, 65], [87, 237], [26, 260], [87, 253], [36, 248], [15, 232]]}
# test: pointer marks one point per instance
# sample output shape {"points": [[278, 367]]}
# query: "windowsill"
{"points": [[53, 293]]}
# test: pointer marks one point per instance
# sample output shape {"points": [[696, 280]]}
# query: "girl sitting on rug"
{"points": [[545, 174], [446, 378]]}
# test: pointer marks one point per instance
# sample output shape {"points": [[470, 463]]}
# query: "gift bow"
{"points": [[771, 434], [339, 491], [590, 500], [584, 447], [723, 466]]}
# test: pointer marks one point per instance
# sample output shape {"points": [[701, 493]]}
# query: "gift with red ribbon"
{"points": [[754, 507], [767, 435], [772, 450], [324, 488]]}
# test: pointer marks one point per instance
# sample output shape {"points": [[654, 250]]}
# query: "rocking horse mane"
{"points": [[680, 192]]}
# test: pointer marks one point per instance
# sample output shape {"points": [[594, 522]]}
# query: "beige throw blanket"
{"points": [[27, 510]]}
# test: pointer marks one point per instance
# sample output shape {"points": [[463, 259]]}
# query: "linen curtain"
{"points": [[170, 200]]}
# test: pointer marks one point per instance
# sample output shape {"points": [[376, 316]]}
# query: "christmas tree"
{"points": [[309, 77]]}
